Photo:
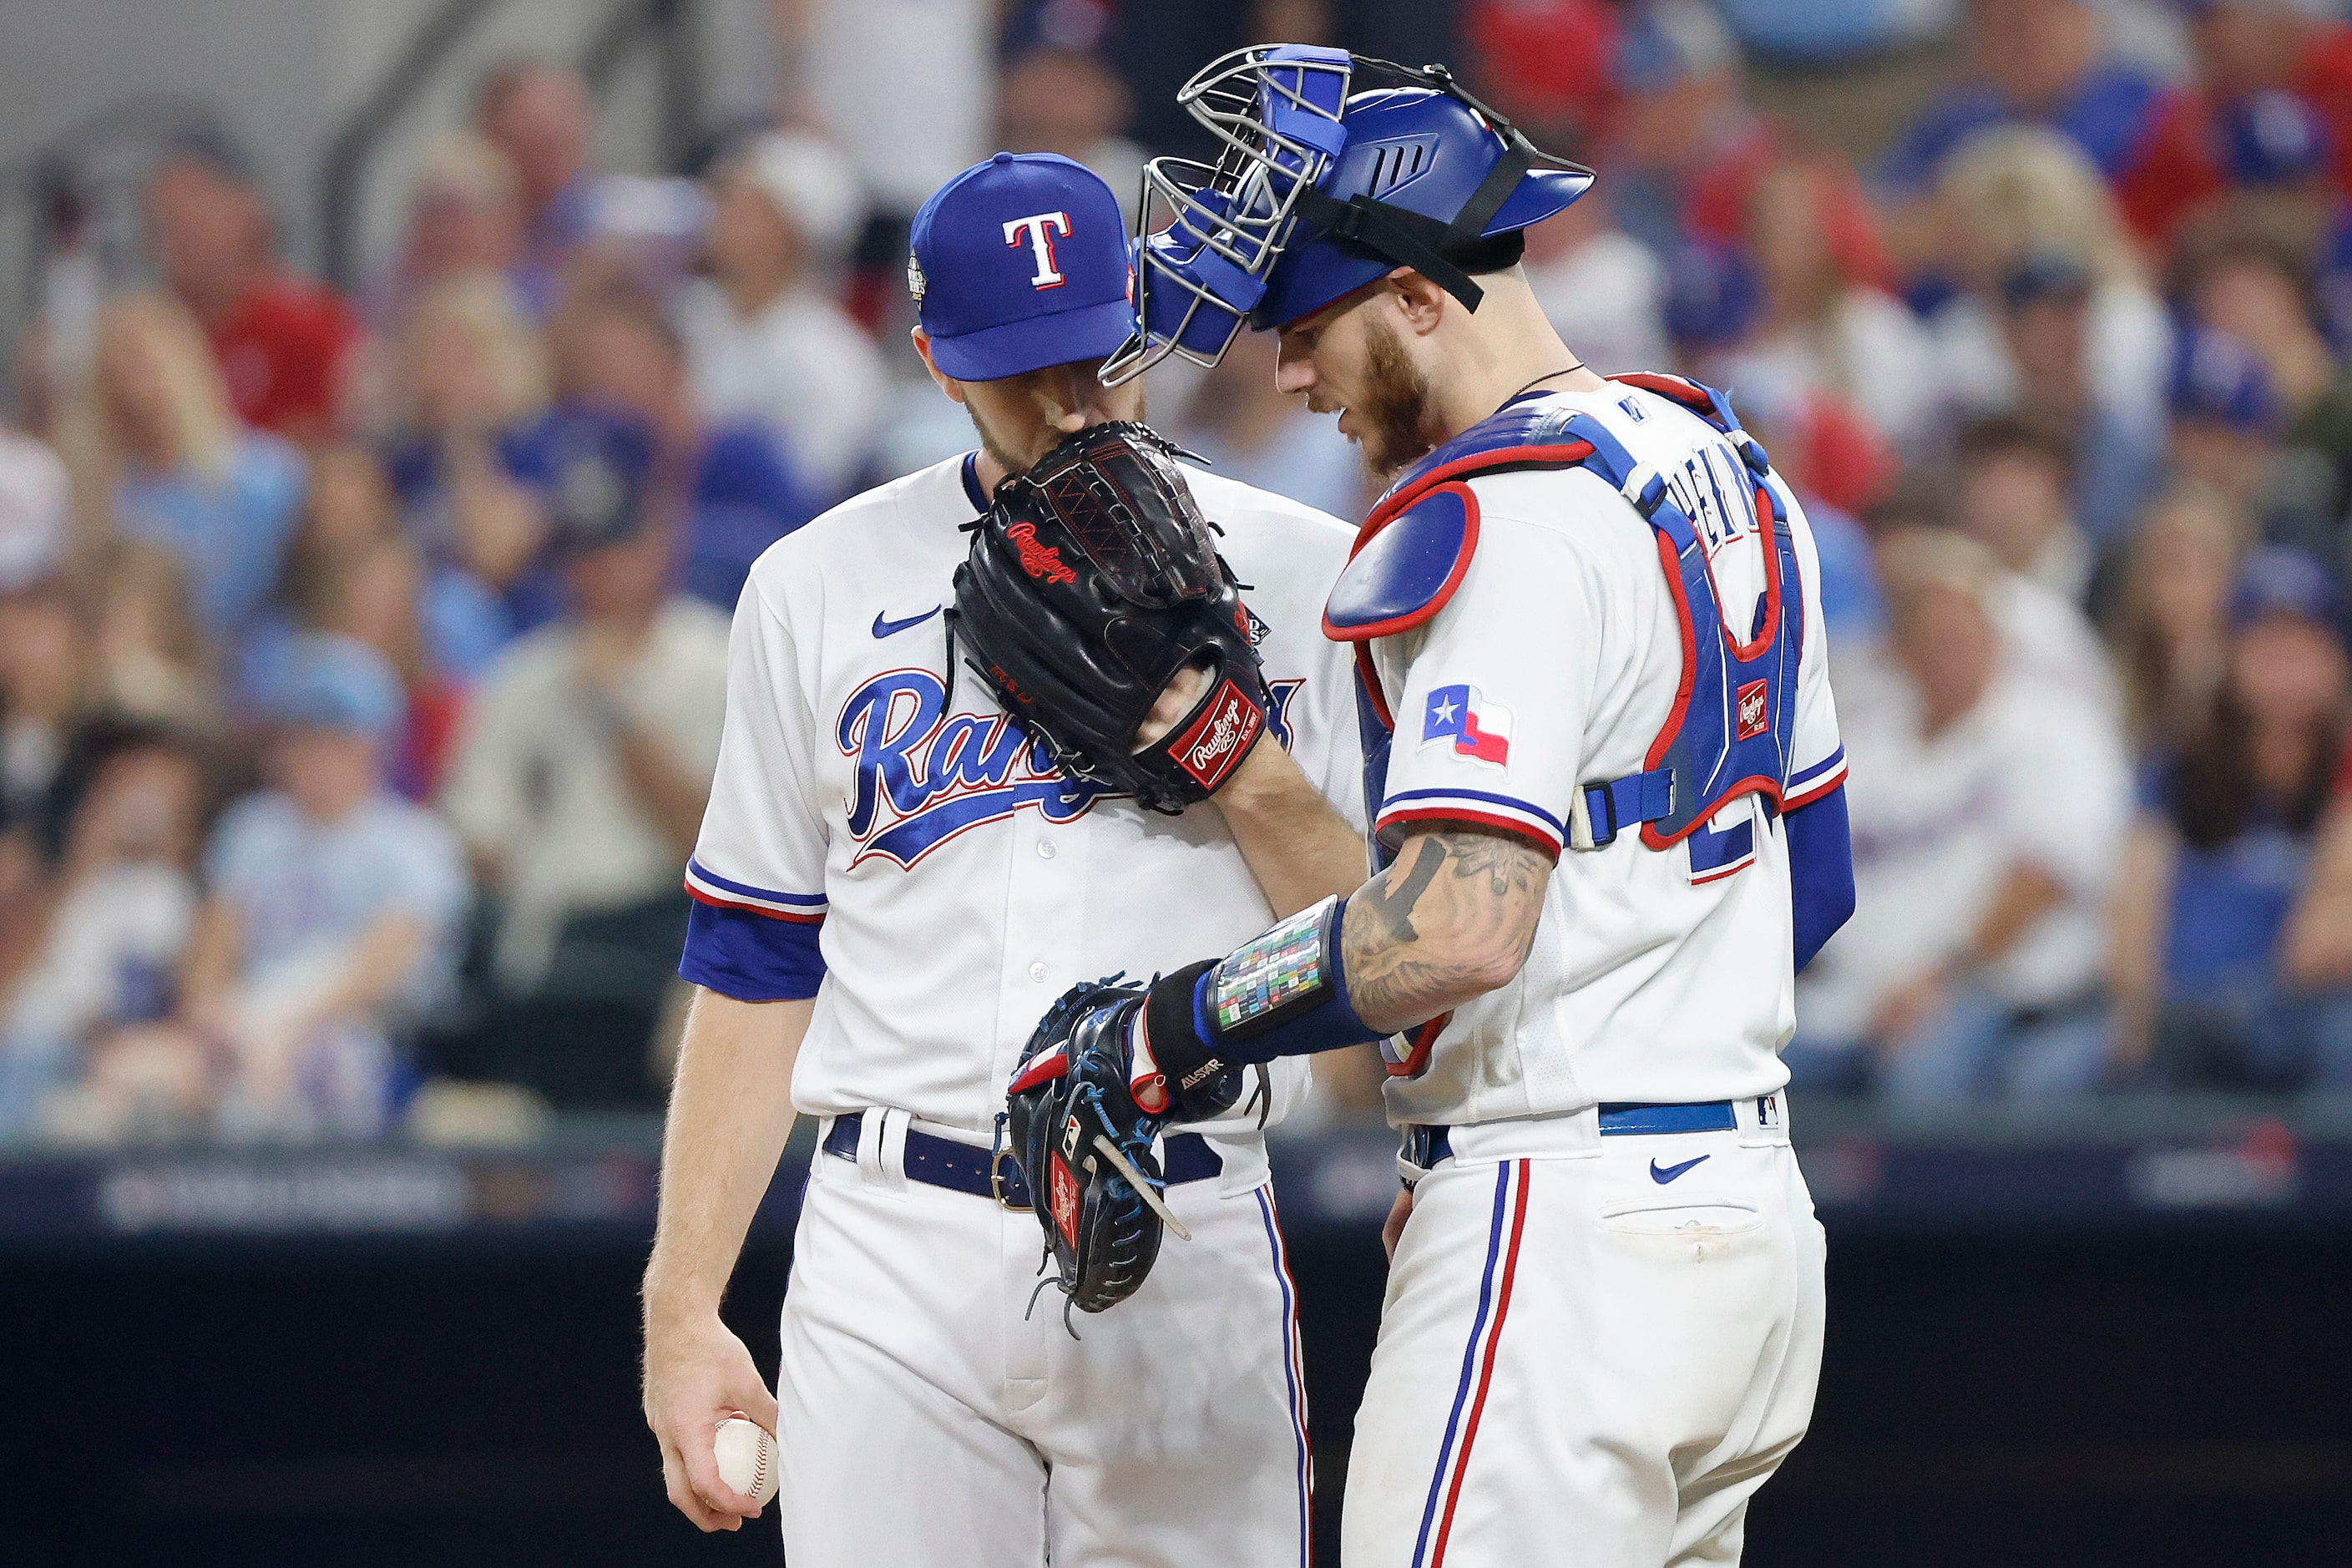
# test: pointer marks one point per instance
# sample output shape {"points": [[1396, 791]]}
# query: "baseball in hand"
{"points": [[746, 1452]]}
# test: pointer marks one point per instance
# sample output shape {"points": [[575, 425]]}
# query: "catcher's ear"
{"points": [[947, 383]]}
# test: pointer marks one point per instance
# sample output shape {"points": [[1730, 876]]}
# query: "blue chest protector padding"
{"points": [[1730, 731]]}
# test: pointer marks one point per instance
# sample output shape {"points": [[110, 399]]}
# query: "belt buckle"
{"points": [[996, 1184]]}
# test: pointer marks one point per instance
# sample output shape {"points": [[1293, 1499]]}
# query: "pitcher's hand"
{"points": [[698, 1374]]}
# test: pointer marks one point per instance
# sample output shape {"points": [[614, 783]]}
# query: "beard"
{"points": [[1393, 411], [994, 448]]}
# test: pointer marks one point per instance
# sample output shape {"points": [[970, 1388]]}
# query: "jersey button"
{"points": [[1045, 850], [1037, 973]]}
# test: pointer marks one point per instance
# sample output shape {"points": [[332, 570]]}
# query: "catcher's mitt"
{"points": [[1093, 580], [1084, 1147]]}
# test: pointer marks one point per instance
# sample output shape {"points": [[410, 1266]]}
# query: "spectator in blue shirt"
{"points": [[467, 455], [2042, 62], [2046, 325], [543, 118], [619, 355], [163, 456], [332, 909], [2223, 849]]}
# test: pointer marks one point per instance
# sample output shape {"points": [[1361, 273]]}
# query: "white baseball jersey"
{"points": [[1602, 1331], [903, 854], [1656, 977], [943, 879]]}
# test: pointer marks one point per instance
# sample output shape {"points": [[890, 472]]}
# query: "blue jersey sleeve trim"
{"points": [[1821, 872], [748, 955]]}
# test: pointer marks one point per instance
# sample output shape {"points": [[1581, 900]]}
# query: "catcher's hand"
{"points": [[1083, 1145], [1093, 584]]}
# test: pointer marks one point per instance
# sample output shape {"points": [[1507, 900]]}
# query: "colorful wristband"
{"points": [[1283, 993]]}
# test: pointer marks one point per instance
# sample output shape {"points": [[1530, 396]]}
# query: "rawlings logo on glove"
{"points": [[1040, 561], [1220, 738]]}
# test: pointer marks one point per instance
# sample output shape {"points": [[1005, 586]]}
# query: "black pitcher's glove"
{"points": [[1085, 1145], [1092, 582]]}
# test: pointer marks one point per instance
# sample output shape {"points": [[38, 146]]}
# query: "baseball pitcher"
{"points": [[1007, 723]]}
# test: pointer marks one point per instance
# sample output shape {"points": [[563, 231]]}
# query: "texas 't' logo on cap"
{"points": [[1041, 228], [1020, 263]]}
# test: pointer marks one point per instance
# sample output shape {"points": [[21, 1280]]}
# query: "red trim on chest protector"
{"points": [[1437, 600]]}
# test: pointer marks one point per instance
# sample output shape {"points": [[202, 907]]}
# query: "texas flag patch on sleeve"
{"points": [[1479, 730]]}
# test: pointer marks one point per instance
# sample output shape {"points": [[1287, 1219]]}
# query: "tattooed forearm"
{"points": [[1391, 900], [1468, 931]]}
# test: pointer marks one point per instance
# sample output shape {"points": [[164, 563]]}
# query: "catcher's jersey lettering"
{"points": [[894, 845], [1039, 229], [1656, 975]]}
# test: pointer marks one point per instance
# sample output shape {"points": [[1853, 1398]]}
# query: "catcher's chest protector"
{"points": [[1728, 732]]}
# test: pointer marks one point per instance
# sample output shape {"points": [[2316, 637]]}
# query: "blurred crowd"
{"points": [[362, 657]]}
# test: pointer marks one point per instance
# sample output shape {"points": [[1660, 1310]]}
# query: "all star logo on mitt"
{"points": [[1219, 738], [1043, 561]]}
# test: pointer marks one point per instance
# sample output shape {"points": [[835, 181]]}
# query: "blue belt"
{"points": [[962, 1168], [1425, 1146]]}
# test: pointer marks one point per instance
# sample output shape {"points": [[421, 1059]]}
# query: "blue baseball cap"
{"points": [[325, 681], [601, 463], [2272, 138], [2216, 377], [1020, 263], [2281, 580]]}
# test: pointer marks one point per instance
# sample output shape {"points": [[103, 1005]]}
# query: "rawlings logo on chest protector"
{"points": [[1754, 716]]}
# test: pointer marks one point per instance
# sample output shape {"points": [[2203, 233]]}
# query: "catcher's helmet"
{"points": [[1318, 191]]}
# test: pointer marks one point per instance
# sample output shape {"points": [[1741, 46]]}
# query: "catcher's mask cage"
{"points": [[1283, 118]]}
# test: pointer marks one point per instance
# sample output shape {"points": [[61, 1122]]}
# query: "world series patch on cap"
{"points": [[1019, 263]]}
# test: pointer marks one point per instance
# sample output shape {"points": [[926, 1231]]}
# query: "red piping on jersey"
{"points": [[1487, 1370], [1421, 1042], [1436, 601], [1835, 781], [716, 902], [1511, 824]]}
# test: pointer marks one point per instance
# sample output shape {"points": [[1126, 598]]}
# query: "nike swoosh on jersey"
{"points": [[884, 628], [1663, 1175]]}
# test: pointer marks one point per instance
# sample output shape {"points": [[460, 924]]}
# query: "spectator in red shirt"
{"points": [[2192, 154], [280, 341]]}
